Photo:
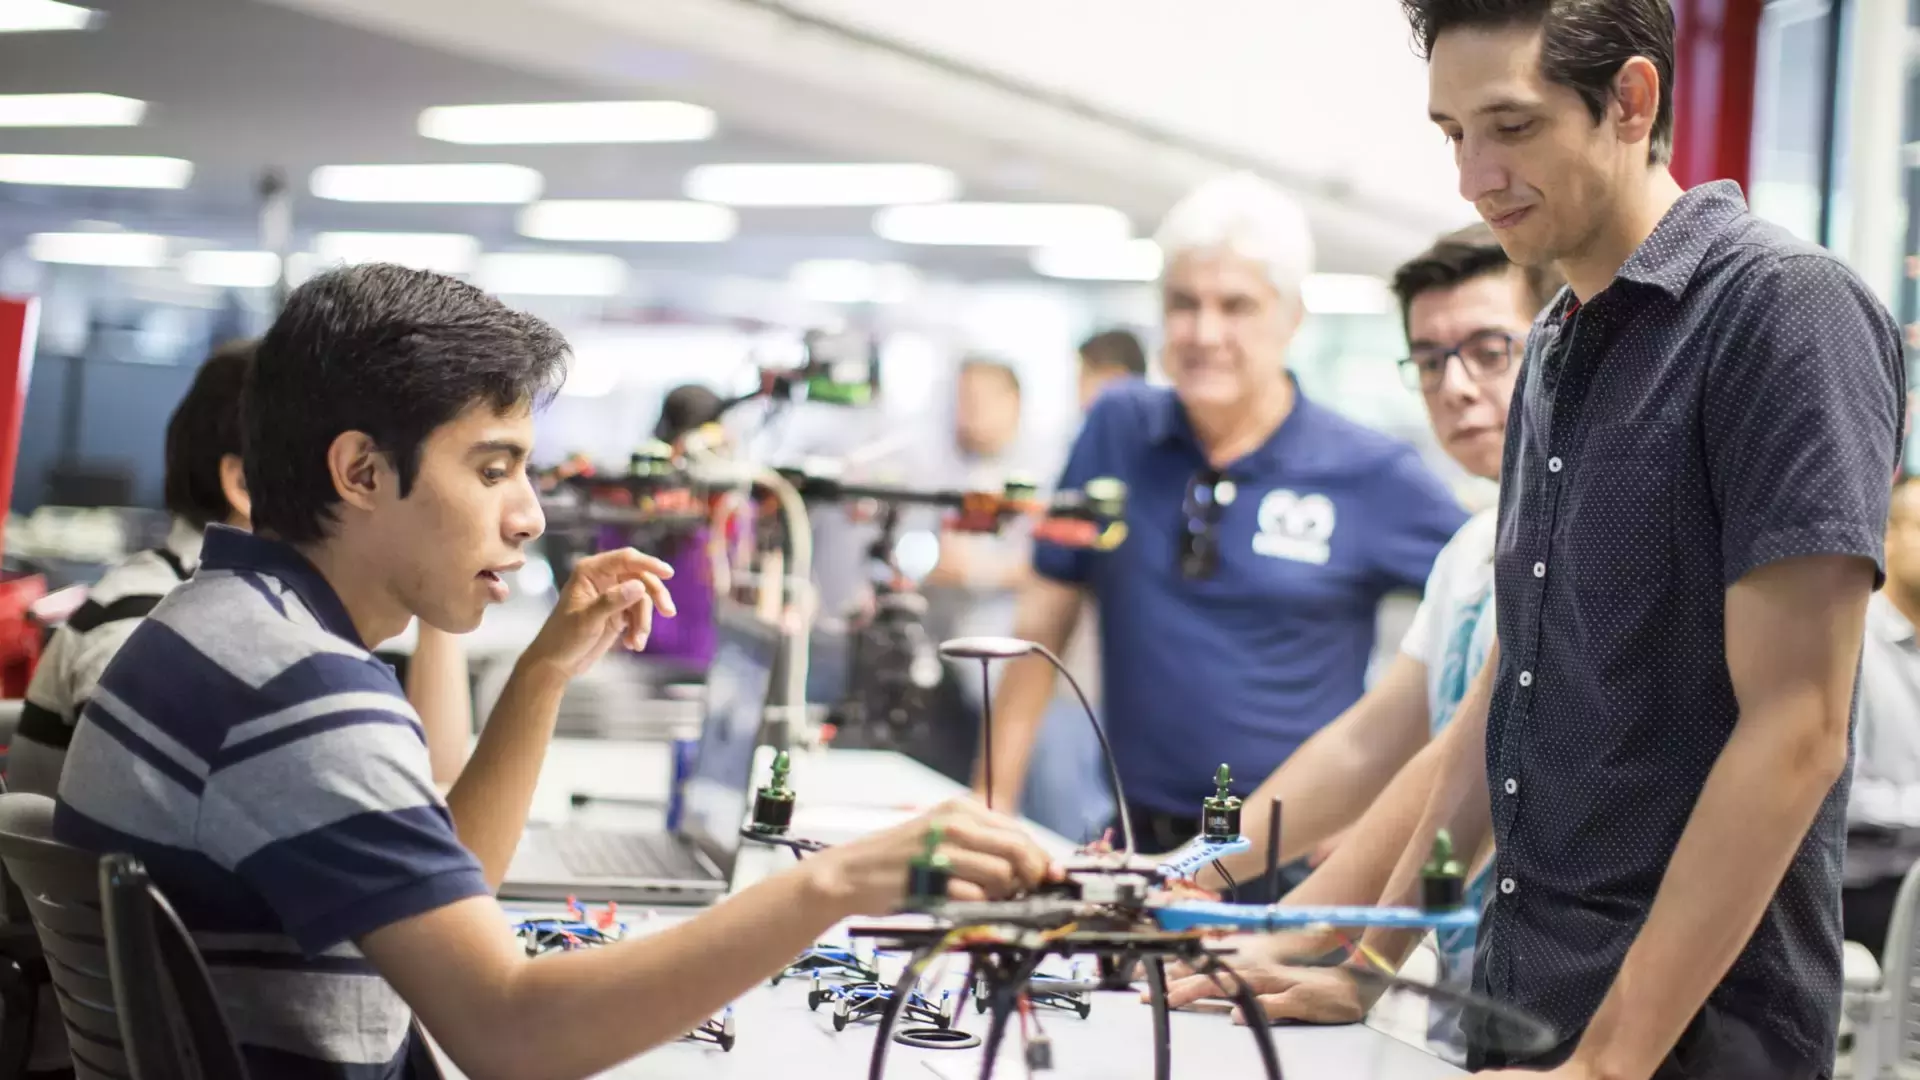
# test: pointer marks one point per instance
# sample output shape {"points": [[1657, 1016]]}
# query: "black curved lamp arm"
{"points": [[1106, 748]]}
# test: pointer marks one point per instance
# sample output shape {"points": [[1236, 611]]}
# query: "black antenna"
{"points": [[1273, 852]]}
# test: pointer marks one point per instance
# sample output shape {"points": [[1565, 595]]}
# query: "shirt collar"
{"points": [[184, 541], [1168, 421], [1885, 621], [1667, 259], [228, 548]]}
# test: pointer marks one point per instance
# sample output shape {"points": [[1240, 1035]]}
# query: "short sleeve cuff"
{"points": [[1796, 541], [1060, 564], [416, 897]]}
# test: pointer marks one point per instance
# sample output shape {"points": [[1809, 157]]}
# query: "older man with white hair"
{"points": [[1263, 531]]}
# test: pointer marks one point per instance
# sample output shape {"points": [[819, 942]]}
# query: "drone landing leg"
{"points": [[890, 1015], [1003, 1006], [1162, 1032], [1256, 1018]]}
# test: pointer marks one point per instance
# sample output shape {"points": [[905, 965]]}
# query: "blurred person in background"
{"points": [[1466, 309], [1263, 530], [688, 639], [1105, 357], [972, 588], [1067, 789], [1883, 810], [204, 484]]}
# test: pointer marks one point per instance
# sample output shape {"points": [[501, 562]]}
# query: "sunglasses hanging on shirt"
{"points": [[1209, 493]]}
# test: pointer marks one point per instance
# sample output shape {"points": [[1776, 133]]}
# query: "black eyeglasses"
{"points": [[1208, 493], [1483, 355]]}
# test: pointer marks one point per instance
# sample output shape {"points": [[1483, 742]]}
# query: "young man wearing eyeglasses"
{"points": [[1467, 309], [1263, 531]]}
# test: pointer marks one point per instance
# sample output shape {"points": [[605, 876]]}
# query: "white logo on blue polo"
{"points": [[1296, 527]]}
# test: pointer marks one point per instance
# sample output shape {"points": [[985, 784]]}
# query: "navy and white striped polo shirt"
{"points": [[269, 771]]}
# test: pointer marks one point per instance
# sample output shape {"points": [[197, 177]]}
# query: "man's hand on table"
{"points": [[991, 856], [1313, 994]]}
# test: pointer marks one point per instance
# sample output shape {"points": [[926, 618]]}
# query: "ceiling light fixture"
{"points": [[442, 253], [1131, 260], [25, 16], [568, 122], [70, 110], [628, 221], [99, 248], [1003, 224], [511, 184], [1346, 294], [821, 185], [849, 281], [546, 273], [231, 269], [90, 170]]}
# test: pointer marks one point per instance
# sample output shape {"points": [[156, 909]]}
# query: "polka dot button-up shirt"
{"points": [[1733, 398]]}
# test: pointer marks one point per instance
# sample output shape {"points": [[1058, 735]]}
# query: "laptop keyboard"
{"points": [[595, 854]]}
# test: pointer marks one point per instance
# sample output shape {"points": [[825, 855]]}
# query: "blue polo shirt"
{"points": [[1328, 517]]}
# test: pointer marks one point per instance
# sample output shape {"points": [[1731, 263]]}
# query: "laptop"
{"points": [[693, 863]]}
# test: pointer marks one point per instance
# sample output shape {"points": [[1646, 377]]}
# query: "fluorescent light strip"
{"points": [[70, 110], [1346, 294], [83, 170], [510, 184], [24, 16], [443, 253], [821, 185], [99, 249], [231, 269], [628, 221], [1003, 224], [568, 122], [551, 274], [848, 281], [1134, 260]]}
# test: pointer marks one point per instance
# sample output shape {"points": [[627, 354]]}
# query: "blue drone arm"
{"points": [[1197, 854], [1268, 918]]}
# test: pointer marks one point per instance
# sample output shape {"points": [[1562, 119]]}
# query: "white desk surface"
{"points": [[845, 792]]}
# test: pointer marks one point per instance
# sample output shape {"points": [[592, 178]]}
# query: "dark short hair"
{"points": [[1460, 257], [1114, 350], [997, 367], [204, 428], [1583, 44], [391, 352], [686, 408]]}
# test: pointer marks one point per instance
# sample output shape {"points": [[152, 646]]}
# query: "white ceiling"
{"points": [[1124, 102]]}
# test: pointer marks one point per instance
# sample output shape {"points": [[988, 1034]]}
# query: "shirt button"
{"points": [[1539, 569], [1553, 464], [1526, 678], [1507, 886], [1513, 786]]}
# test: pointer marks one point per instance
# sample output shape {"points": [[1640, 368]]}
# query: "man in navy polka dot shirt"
{"points": [[1696, 472]]}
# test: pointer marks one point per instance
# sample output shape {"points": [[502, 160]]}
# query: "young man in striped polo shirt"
{"points": [[203, 484], [247, 746]]}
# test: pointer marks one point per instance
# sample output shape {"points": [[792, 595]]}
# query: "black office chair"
{"points": [[171, 1022]]}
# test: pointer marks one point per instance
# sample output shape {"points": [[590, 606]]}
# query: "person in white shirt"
{"points": [[1883, 809], [1467, 311]]}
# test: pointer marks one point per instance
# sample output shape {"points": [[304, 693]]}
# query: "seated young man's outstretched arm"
{"points": [[499, 1014]]}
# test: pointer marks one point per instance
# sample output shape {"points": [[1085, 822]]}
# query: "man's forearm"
{"points": [[489, 802], [1331, 780], [1457, 801], [1018, 709], [1753, 815], [1360, 868]]}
